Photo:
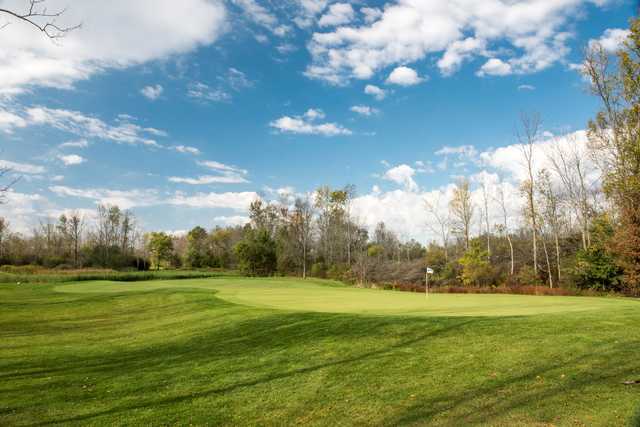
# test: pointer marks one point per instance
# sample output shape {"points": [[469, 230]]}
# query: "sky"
{"points": [[186, 113]]}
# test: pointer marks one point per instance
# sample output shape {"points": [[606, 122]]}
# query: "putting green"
{"points": [[315, 295]]}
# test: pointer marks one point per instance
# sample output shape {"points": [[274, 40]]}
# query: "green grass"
{"points": [[216, 351]]}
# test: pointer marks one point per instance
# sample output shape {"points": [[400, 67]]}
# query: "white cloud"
{"points": [[237, 201], [237, 79], [314, 114], [262, 16], [402, 175], [612, 39], [186, 149], [364, 110], [202, 92], [458, 52], [495, 67], [526, 87], [115, 34], [81, 143], [338, 14], [404, 76], [307, 125], [227, 174], [231, 221], [371, 14], [209, 179], [23, 210], [152, 92], [530, 35], [375, 91], [125, 199], [21, 167], [10, 121], [71, 159], [91, 127]]}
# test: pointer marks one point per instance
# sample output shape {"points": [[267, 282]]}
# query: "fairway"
{"points": [[240, 351], [319, 296]]}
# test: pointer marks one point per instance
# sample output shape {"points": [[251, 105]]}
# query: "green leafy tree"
{"points": [[197, 255], [596, 267], [257, 253], [160, 247], [476, 270]]}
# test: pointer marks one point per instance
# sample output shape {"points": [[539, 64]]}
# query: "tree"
{"points": [[37, 15], [196, 255], [550, 208], [444, 224], [76, 225], [504, 227], [257, 253], [302, 223], [613, 136], [160, 246], [476, 270], [4, 231], [527, 137], [462, 209]]}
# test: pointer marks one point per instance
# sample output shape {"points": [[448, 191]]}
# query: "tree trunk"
{"points": [[511, 253]]}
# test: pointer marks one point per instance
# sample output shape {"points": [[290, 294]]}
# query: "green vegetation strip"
{"points": [[180, 353]]}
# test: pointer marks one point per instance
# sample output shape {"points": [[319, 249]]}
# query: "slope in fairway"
{"points": [[312, 295]]}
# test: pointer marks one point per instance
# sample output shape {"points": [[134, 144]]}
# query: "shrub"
{"points": [[257, 253]]}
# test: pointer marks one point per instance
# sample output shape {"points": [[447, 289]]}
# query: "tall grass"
{"points": [[30, 274]]}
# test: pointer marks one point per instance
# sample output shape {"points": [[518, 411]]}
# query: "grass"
{"points": [[38, 275], [216, 351]]}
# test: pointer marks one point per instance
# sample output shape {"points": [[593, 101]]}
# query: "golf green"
{"points": [[326, 297]]}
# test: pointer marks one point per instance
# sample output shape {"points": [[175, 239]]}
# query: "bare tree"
{"points": [[485, 214], [527, 137], [570, 164], [4, 189], [38, 16], [504, 227], [302, 221], [462, 210], [551, 213], [444, 224], [76, 225]]}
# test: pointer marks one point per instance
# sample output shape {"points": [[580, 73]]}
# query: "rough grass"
{"points": [[39, 275], [181, 354]]}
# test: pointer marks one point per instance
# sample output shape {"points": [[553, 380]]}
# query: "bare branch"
{"points": [[35, 13]]}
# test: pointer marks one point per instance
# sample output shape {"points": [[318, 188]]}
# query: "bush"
{"points": [[527, 277], [337, 272], [319, 269]]}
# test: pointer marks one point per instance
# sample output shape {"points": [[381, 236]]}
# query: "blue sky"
{"points": [[186, 115]]}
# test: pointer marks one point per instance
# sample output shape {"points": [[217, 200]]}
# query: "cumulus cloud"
{"points": [[231, 220], [71, 159], [370, 14], [338, 14], [307, 125], [531, 35], [404, 76], [611, 40], [495, 67], [402, 175], [152, 92], [29, 59], [125, 199], [364, 110], [375, 91]]}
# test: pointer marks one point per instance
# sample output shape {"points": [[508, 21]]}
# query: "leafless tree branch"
{"points": [[38, 12]]}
